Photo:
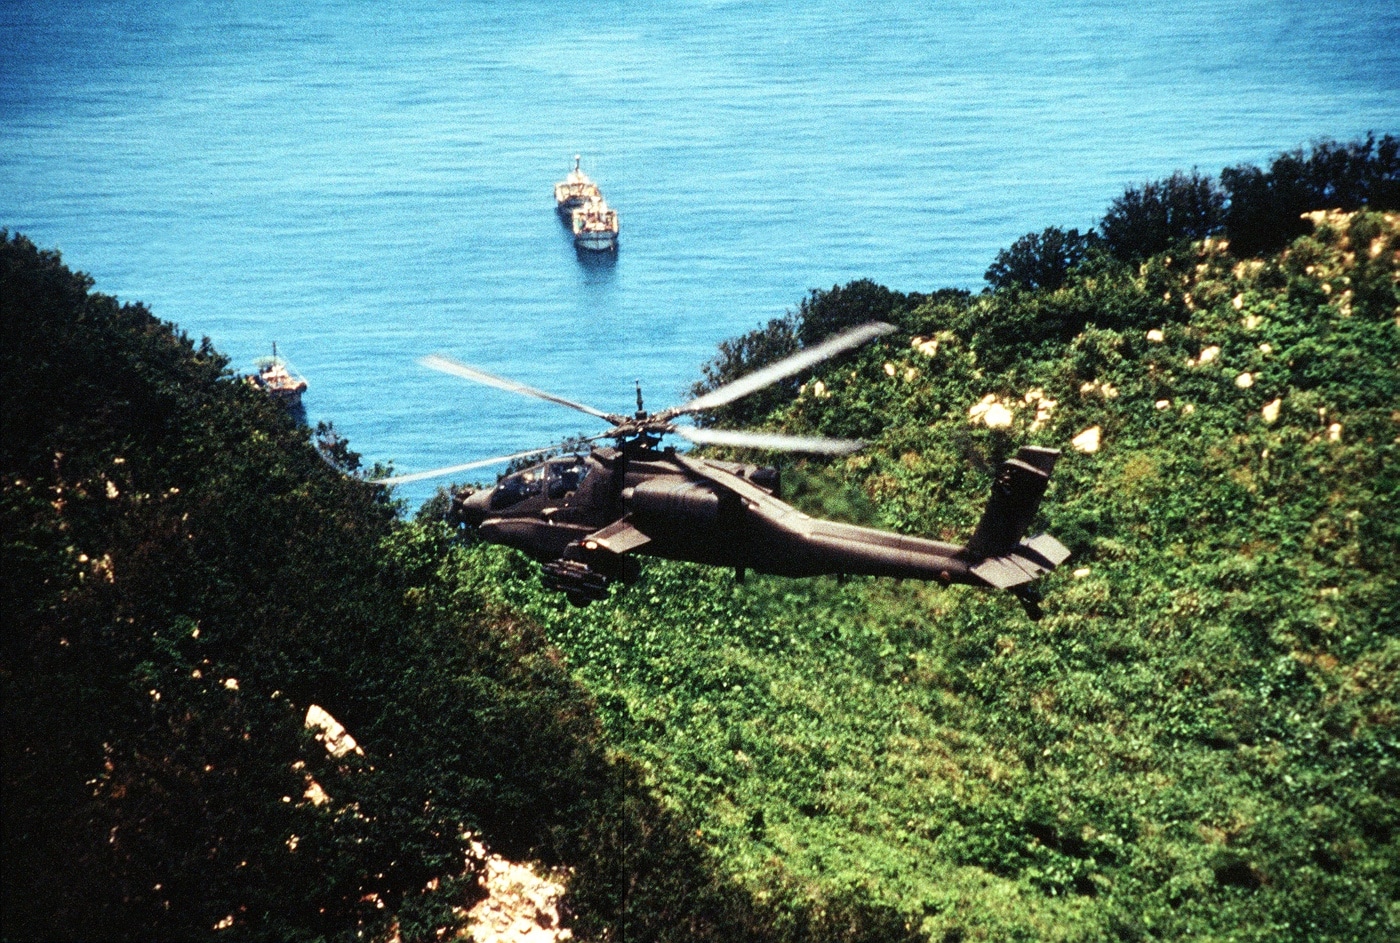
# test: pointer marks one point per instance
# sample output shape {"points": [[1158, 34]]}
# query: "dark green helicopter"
{"points": [[585, 516]]}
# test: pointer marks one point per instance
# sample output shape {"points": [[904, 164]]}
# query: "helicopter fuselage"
{"points": [[586, 516], [596, 510]]}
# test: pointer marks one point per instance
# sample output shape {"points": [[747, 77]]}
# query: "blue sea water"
{"points": [[367, 183]]}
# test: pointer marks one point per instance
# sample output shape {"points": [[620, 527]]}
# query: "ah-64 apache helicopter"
{"points": [[584, 516]]}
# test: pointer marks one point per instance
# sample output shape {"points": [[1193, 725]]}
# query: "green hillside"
{"points": [[182, 579], [1198, 741]]}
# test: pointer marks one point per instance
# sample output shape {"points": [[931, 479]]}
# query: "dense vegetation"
{"points": [[182, 578], [1200, 738], [1198, 741]]}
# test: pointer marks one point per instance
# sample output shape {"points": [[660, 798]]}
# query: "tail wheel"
{"points": [[1029, 596]]}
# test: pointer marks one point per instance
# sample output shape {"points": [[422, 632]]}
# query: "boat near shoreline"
{"points": [[279, 379]]}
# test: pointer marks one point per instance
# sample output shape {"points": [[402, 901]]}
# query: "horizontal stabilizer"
{"points": [[1049, 549], [1030, 560]]}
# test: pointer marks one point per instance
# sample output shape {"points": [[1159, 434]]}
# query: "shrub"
{"points": [[743, 355], [1265, 206], [1040, 260], [1152, 218], [823, 313]]}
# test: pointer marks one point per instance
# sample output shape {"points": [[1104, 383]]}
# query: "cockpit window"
{"points": [[513, 489], [566, 476]]}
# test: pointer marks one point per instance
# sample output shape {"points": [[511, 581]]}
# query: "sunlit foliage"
{"points": [[1200, 739]]}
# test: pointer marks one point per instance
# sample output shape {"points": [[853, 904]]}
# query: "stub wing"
{"points": [[618, 537]]}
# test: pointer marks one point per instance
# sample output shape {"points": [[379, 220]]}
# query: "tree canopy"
{"points": [[1041, 260]]}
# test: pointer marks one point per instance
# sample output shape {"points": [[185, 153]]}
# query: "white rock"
{"points": [[336, 738], [980, 407], [314, 793], [1107, 390], [1271, 410], [520, 906], [1088, 440], [1244, 381], [997, 416], [1156, 336]]}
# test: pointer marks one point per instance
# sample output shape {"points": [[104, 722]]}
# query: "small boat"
{"points": [[277, 377], [595, 226], [575, 190]]}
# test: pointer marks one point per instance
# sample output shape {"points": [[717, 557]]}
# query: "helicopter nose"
{"points": [[469, 507]]}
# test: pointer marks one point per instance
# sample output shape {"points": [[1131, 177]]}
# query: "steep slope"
{"points": [[1199, 740], [194, 602]]}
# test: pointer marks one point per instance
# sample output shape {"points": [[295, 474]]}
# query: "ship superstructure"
{"points": [[592, 221]]}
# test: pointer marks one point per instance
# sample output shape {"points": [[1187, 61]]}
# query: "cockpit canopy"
{"points": [[555, 479]]}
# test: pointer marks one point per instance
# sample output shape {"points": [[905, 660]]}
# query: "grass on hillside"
{"points": [[1199, 740]]}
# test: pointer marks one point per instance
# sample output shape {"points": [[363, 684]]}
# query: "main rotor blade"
{"points": [[479, 463], [772, 373], [770, 440], [457, 368]]}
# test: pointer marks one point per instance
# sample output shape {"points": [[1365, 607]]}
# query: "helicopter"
{"points": [[584, 516]]}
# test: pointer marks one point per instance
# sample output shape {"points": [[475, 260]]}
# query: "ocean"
{"points": [[364, 184]]}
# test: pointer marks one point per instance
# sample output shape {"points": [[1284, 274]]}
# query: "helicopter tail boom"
{"points": [[998, 555]]}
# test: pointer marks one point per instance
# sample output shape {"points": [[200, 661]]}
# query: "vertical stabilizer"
{"points": [[1020, 484]]}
